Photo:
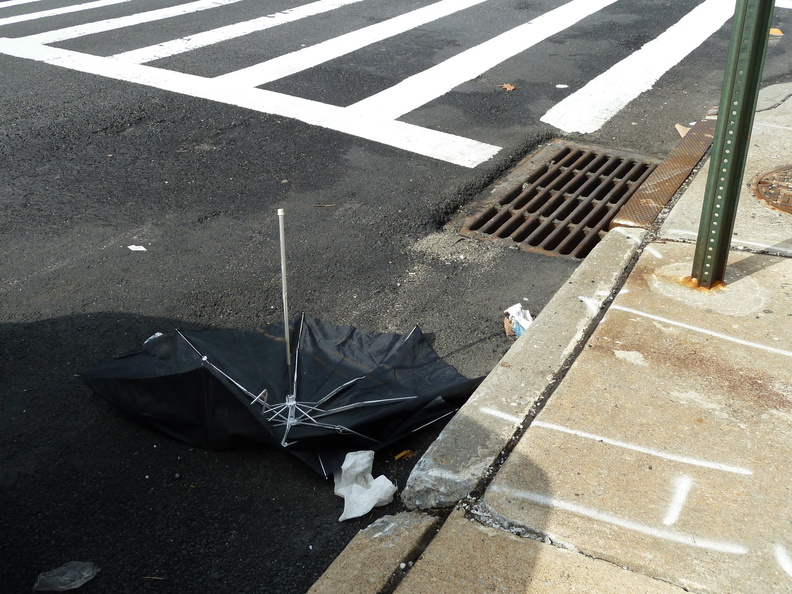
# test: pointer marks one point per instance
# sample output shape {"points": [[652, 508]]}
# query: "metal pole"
{"points": [[741, 80], [281, 215]]}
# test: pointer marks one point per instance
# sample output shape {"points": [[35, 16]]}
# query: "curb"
{"points": [[467, 450], [473, 440]]}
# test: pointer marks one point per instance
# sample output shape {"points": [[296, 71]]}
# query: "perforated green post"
{"points": [[750, 30]]}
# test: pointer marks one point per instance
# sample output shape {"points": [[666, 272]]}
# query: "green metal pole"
{"points": [[741, 80]]}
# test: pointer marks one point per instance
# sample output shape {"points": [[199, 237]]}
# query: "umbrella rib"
{"points": [[297, 354], [261, 397], [365, 403], [433, 421], [339, 429], [339, 389]]}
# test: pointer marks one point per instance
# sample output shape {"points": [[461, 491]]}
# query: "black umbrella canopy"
{"points": [[345, 390]]}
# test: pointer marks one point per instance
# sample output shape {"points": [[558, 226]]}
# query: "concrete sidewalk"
{"points": [[661, 461]]}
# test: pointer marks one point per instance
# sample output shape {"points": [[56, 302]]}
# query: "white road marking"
{"points": [[589, 108], [669, 535], [320, 53], [139, 18], [645, 450], [32, 16], [417, 90], [10, 3], [682, 487], [755, 345], [430, 143], [206, 38]]}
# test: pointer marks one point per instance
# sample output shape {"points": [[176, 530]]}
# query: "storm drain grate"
{"points": [[566, 204]]}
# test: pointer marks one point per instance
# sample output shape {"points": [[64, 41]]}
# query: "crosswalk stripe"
{"points": [[139, 18], [588, 109], [206, 38], [10, 3], [32, 16], [419, 89], [320, 53], [422, 141], [375, 117]]}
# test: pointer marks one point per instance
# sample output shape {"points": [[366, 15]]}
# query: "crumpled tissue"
{"points": [[360, 490]]}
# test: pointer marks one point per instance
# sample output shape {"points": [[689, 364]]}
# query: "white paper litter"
{"points": [[68, 576], [137, 248], [360, 490], [519, 318]]}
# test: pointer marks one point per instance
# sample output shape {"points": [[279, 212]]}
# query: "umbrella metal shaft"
{"points": [[281, 215]]}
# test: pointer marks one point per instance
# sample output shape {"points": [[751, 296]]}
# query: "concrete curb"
{"points": [[370, 559], [470, 444], [472, 441]]}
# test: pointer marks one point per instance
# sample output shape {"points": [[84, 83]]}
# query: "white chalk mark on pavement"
{"points": [[665, 534], [589, 108], [662, 320], [783, 558], [645, 450], [419, 89], [500, 415], [682, 486]]}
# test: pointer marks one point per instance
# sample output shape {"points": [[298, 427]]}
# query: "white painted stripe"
{"points": [[10, 3], [783, 558], [692, 540], [430, 143], [588, 109], [783, 4], [32, 16], [206, 38], [645, 450], [320, 53], [126, 21], [733, 339], [682, 487], [417, 90]]}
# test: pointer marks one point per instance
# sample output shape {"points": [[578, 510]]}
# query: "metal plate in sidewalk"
{"points": [[561, 201], [775, 187]]}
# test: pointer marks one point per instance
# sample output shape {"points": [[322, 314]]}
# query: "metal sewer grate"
{"points": [[565, 206]]}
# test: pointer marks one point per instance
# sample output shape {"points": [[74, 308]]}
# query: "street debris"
{"points": [[315, 390], [404, 455], [507, 86], [136, 248], [682, 130], [68, 576], [359, 489], [517, 320], [775, 32], [345, 389]]}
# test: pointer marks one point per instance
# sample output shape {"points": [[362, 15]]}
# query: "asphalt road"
{"points": [[98, 156]]}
